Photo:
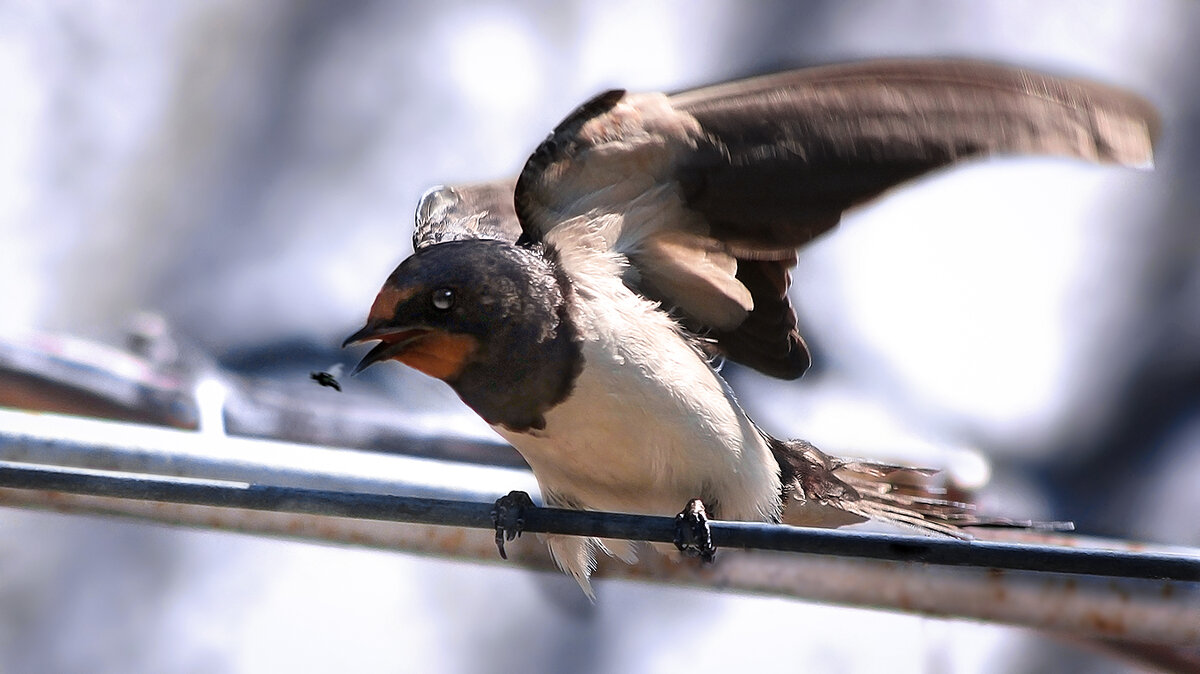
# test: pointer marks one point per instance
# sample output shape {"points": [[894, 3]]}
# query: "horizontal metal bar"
{"points": [[1161, 613], [1145, 611], [941, 551], [610, 525], [1159, 617], [90, 444]]}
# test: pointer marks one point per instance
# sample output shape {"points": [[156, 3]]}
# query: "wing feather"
{"points": [[473, 211], [784, 155], [708, 193]]}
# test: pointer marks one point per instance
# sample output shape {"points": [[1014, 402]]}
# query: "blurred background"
{"points": [[243, 176]]}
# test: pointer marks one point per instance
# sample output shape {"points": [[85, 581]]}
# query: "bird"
{"points": [[581, 309]]}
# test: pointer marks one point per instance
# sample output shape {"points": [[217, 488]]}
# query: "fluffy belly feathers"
{"points": [[648, 427]]}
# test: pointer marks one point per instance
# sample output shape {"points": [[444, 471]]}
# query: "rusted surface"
{"points": [[1148, 612], [1144, 612], [1146, 657]]}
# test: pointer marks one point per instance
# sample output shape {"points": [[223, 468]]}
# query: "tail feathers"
{"points": [[883, 492]]}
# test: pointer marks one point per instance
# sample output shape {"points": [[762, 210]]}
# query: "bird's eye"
{"points": [[442, 299]]}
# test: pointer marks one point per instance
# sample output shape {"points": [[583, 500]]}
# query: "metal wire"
{"points": [[742, 535], [1129, 599], [273, 488]]}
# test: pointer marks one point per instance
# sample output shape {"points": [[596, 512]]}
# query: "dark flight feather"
{"points": [[737, 176], [784, 155]]}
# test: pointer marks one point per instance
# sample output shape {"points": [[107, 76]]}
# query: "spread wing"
{"points": [[708, 193], [475, 211]]}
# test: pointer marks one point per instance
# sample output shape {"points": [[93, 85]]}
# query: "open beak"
{"points": [[393, 342]]}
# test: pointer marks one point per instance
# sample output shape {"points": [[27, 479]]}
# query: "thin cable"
{"points": [[743, 535]]}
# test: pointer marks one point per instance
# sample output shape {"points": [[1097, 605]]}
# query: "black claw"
{"points": [[693, 536], [508, 515]]}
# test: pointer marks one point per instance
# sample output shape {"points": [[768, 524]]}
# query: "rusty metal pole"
{"points": [[1142, 610]]}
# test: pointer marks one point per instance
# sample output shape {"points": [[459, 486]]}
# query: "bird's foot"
{"points": [[692, 534], [508, 515]]}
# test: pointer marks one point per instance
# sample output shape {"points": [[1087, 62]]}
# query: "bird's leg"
{"points": [[692, 534], [508, 515]]}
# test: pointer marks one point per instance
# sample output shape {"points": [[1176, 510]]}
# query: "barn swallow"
{"points": [[579, 309]]}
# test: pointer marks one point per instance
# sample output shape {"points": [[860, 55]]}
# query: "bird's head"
{"points": [[488, 317], [445, 305], [433, 312]]}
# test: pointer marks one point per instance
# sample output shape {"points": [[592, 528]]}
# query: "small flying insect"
{"points": [[328, 378]]}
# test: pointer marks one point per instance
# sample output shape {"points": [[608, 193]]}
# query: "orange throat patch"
{"points": [[439, 354]]}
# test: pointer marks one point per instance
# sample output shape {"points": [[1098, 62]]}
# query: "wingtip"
{"points": [[1127, 139], [358, 336], [362, 365]]}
